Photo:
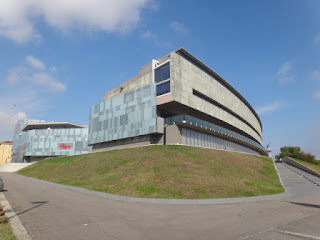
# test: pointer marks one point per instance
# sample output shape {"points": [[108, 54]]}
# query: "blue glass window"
{"points": [[163, 88], [162, 73]]}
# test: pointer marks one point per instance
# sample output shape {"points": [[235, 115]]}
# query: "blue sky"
{"points": [[57, 59]]}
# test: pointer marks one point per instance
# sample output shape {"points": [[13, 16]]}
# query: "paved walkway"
{"points": [[50, 212]]}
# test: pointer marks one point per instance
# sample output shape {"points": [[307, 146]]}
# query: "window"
{"points": [[162, 78], [163, 88], [162, 73]]}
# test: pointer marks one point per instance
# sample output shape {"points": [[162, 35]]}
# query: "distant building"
{"points": [[5, 152], [176, 99], [38, 139]]}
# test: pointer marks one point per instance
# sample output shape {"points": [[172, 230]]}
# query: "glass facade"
{"points": [[48, 142], [127, 115], [210, 126], [199, 139]]}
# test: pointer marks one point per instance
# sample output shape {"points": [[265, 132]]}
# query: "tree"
{"points": [[289, 151], [295, 152]]}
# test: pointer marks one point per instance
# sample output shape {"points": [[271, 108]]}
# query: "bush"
{"points": [[289, 151], [304, 157], [295, 152]]}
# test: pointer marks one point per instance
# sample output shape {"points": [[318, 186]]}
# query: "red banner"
{"points": [[65, 146]]}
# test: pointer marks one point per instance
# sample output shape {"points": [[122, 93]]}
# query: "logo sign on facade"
{"points": [[65, 146]]}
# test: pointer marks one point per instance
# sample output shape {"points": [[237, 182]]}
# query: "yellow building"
{"points": [[5, 152]]}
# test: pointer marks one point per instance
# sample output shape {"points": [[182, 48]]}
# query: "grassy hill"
{"points": [[313, 166], [163, 172]]}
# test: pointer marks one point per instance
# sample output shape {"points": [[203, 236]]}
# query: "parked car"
{"points": [[1, 185]]}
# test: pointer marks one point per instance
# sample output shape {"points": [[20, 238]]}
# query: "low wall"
{"points": [[300, 166]]}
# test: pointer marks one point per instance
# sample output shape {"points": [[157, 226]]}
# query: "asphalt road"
{"points": [[50, 212]]}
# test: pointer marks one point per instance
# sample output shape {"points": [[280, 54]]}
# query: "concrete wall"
{"points": [[129, 142], [173, 135], [185, 76], [144, 77], [300, 166]]}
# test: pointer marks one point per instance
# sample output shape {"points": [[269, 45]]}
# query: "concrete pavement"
{"points": [[13, 167], [52, 212], [16, 225]]}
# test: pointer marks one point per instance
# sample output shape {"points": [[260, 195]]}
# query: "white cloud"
{"points": [[178, 27], [7, 123], [284, 73], [16, 73], [315, 75], [317, 39], [29, 72], [20, 101], [14, 106], [48, 81], [149, 35], [22, 95], [269, 108], [18, 17], [35, 62], [15, 20], [284, 69], [286, 79], [316, 95]]}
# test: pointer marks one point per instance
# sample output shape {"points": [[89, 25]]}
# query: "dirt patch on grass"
{"points": [[164, 172]]}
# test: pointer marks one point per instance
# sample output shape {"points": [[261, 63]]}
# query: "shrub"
{"points": [[295, 152]]}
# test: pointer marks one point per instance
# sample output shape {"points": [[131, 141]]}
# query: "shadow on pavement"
{"points": [[306, 204], [38, 205]]}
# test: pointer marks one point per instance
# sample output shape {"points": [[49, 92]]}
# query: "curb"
{"points": [[162, 200], [300, 166], [18, 229], [275, 166]]}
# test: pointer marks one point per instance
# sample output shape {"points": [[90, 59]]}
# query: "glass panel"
{"points": [[137, 116], [163, 88], [162, 73], [213, 127]]}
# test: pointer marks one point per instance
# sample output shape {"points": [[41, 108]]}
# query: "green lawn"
{"points": [[164, 172], [6, 231]]}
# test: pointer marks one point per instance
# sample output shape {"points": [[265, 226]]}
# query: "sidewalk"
{"points": [[18, 229]]}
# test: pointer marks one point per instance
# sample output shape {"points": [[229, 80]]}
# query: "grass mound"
{"points": [[314, 167], [163, 172]]}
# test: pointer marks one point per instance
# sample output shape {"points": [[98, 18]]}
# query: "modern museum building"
{"points": [[38, 139], [176, 99]]}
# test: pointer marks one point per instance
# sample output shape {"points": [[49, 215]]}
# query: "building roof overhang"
{"points": [[51, 125]]}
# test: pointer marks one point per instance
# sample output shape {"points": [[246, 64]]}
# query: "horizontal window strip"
{"points": [[190, 58], [186, 119]]}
